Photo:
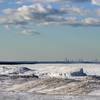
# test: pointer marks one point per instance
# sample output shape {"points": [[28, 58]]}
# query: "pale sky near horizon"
{"points": [[49, 29]]}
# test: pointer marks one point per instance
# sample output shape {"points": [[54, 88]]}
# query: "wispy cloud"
{"points": [[39, 13], [42, 12], [28, 32]]}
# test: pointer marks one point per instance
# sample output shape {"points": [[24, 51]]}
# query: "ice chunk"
{"points": [[79, 72]]}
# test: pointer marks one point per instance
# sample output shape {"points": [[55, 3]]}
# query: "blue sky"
{"points": [[49, 29]]}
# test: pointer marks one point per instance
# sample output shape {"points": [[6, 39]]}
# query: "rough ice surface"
{"points": [[50, 82], [52, 70]]}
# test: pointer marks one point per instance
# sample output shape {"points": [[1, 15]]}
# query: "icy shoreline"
{"points": [[62, 79], [51, 70]]}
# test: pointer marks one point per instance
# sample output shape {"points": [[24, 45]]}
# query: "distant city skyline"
{"points": [[49, 29]]}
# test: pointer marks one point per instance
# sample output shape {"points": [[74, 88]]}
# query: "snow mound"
{"points": [[20, 70], [13, 70], [17, 72]]}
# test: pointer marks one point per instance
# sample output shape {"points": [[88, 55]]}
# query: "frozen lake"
{"points": [[53, 80]]}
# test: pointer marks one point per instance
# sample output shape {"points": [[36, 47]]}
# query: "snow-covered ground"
{"points": [[63, 79], [51, 70], [29, 96]]}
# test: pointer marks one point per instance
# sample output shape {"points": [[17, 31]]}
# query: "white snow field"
{"points": [[50, 82], [30, 96], [50, 70]]}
